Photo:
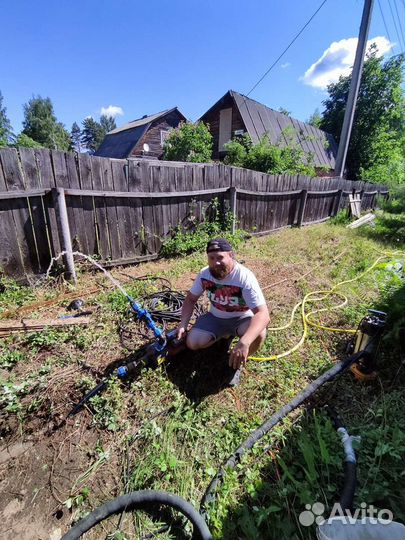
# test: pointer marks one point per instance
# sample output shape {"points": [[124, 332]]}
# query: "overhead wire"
{"points": [[384, 21], [395, 26], [286, 49], [399, 21]]}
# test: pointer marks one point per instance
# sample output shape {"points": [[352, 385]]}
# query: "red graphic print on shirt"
{"points": [[225, 297]]}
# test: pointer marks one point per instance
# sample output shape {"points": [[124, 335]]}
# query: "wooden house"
{"points": [[142, 138], [235, 114]]}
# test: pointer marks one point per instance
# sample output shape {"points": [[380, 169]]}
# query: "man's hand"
{"points": [[238, 355], [181, 332]]}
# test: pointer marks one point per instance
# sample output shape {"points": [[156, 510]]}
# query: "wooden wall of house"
{"points": [[153, 137], [212, 118]]}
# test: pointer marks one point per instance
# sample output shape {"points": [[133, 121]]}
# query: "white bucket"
{"points": [[361, 529]]}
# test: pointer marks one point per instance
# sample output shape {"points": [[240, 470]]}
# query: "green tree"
{"points": [[189, 142], [267, 157], [378, 135], [107, 124], [284, 111], [75, 137], [41, 125], [92, 134], [6, 133], [315, 119]]}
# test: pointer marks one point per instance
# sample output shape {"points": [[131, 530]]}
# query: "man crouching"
{"points": [[238, 307]]}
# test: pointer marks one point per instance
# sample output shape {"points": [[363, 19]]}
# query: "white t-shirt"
{"points": [[234, 296]]}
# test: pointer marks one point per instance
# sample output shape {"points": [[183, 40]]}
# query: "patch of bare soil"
{"points": [[44, 454]]}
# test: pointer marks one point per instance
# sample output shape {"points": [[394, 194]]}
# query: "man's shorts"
{"points": [[218, 327]]}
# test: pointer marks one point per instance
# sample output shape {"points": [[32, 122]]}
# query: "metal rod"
{"points": [[58, 195]]}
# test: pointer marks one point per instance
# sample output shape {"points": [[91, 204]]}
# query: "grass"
{"points": [[158, 437]]}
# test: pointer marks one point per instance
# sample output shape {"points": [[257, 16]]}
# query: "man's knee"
{"points": [[198, 340]]}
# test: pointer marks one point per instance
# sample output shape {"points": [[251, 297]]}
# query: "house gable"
{"points": [[129, 140], [258, 120], [154, 136]]}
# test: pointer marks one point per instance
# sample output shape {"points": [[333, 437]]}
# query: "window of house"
{"points": [[164, 133], [225, 128]]}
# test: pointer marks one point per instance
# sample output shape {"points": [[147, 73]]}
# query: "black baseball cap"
{"points": [[219, 244]]}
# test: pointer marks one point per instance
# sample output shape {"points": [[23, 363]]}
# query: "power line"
{"points": [[399, 19], [395, 24], [286, 49], [385, 24]]}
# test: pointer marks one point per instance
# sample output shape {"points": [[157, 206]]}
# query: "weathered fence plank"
{"points": [[21, 213], [122, 209]]}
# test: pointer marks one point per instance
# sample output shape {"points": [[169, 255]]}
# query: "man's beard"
{"points": [[220, 273]]}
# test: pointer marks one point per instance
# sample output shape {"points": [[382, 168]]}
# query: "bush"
{"points": [[269, 158], [217, 224], [189, 142]]}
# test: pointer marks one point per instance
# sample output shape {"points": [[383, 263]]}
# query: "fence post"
{"points": [[338, 200], [304, 196], [58, 195], [233, 207]]}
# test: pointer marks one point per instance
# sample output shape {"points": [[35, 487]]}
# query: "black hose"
{"points": [[349, 487], [136, 500], [209, 494]]}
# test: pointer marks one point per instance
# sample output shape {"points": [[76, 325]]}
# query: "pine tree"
{"points": [[107, 123], [92, 134], [75, 136]]}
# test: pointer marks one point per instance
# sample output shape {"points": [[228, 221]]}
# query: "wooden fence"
{"points": [[121, 210]]}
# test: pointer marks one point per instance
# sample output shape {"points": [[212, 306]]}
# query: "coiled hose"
{"points": [[316, 296], [137, 500]]}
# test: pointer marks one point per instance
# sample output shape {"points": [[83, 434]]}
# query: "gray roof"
{"points": [[261, 120], [141, 121], [119, 145]]}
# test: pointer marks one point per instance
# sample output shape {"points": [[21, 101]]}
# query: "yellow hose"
{"points": [[311, 298]]}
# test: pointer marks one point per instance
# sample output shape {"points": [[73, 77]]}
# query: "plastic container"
{"points": [[361, 529]]}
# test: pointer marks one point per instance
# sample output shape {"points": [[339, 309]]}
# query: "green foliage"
{"points": [[46, 338], [315, 119], [107, 123], [269, 158], [6, 133], [41, 125], [389, 225], [9, 358], [92, 134], [13, 295], [189, 142], [196, 236], [341, 218], [108, 406], [23, 140], [377, 140]]}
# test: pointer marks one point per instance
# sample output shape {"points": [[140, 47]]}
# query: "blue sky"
{"points": [[144, 57]]}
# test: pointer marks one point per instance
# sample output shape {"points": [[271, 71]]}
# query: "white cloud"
{"points": [[338, 60], [112, 110], [286, 65]]}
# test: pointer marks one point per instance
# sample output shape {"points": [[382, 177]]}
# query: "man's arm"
{"points": [[186, 313], [258, 323]]}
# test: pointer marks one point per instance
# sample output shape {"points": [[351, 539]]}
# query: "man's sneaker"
{"points": [[235, 379]]}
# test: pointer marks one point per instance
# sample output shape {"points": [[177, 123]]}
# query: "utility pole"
{"points": [[354, 89]]}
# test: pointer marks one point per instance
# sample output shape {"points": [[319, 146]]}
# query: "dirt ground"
{"points": [[42, 456]]}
